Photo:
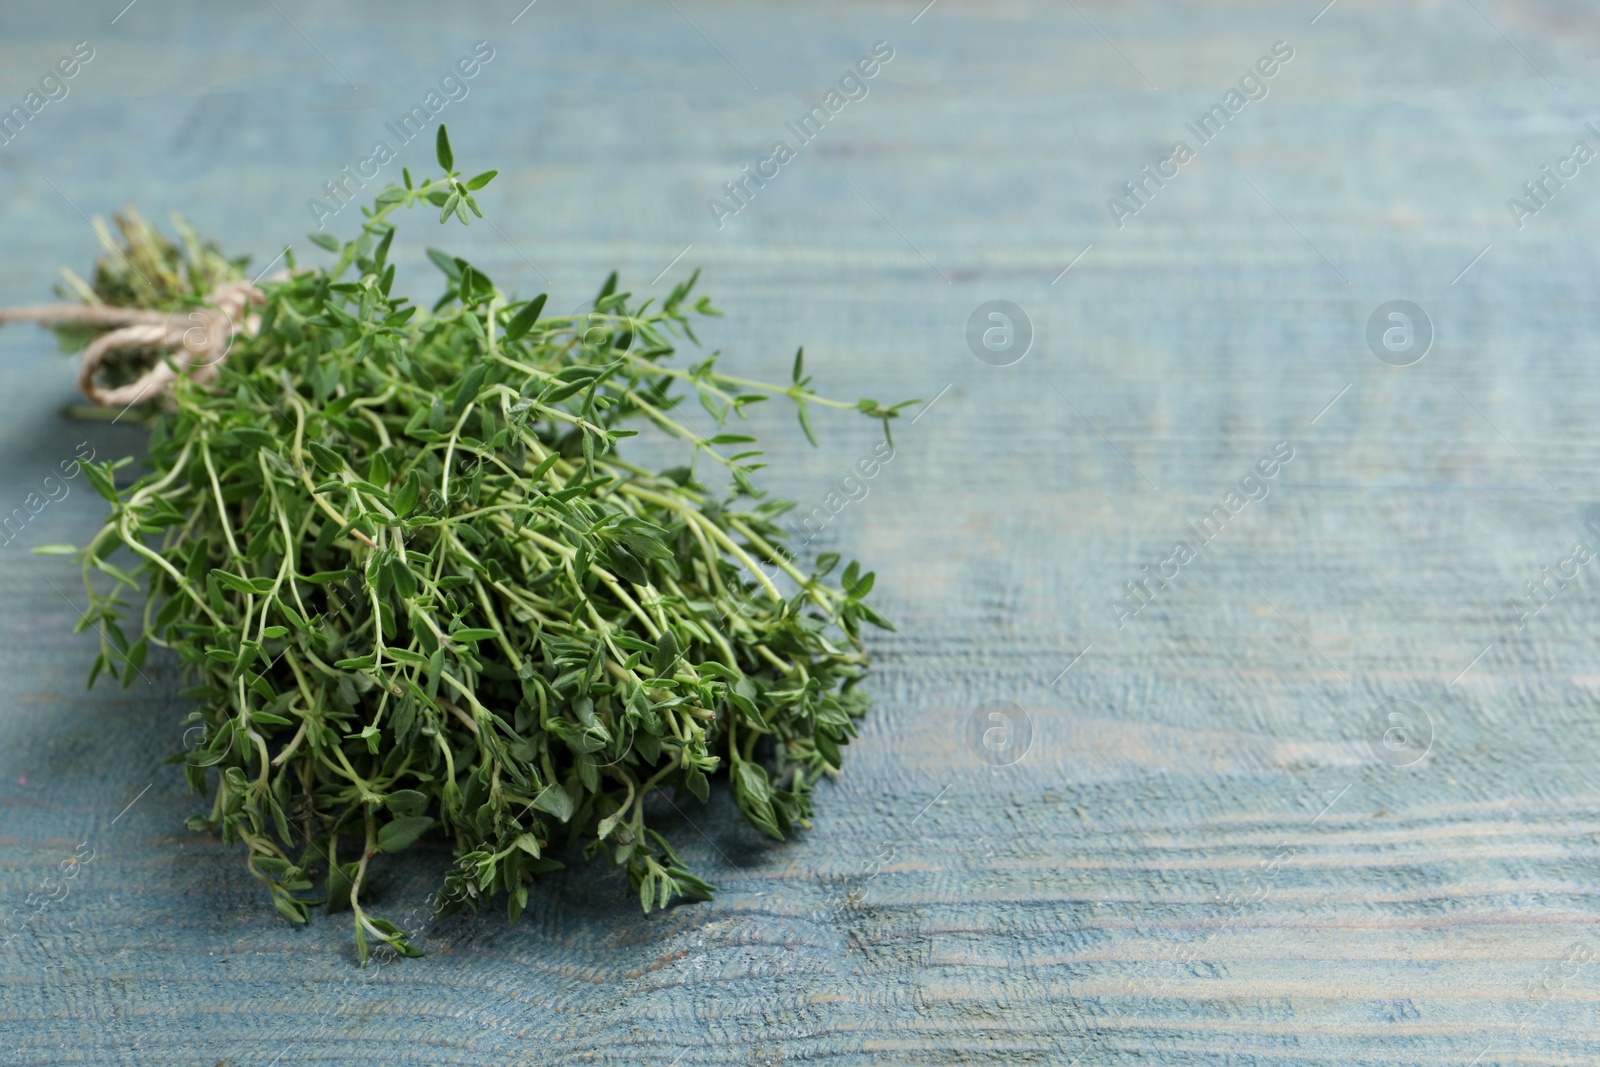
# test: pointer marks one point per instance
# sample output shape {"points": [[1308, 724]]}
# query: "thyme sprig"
{"points": [[419, 590]]}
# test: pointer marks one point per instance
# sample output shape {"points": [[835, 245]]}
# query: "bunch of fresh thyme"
{"points": [[419, 590]]}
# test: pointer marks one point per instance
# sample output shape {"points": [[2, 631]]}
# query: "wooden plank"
{"points": [[1200, 859]]}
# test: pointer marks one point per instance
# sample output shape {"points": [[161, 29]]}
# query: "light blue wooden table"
{"points": [[1218, 848]]}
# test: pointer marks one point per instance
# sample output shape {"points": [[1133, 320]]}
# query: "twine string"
{"points": [[194, 342]]}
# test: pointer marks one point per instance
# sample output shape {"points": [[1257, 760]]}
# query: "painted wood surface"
{"points": [[1218, 847]]}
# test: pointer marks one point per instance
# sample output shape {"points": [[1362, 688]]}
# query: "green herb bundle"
{"points": [[419, 590]]}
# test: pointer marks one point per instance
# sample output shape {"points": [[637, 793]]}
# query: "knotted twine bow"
{"points": [[193, 342]]}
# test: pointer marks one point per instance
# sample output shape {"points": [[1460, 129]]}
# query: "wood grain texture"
{"points": [[1199, 860]]}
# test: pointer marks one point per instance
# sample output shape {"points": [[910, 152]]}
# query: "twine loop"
{"points": [[194, 342]]}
